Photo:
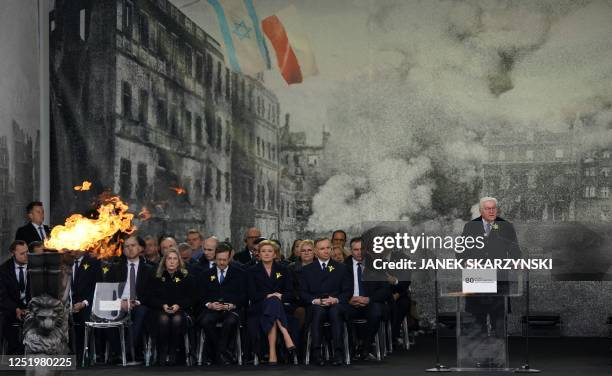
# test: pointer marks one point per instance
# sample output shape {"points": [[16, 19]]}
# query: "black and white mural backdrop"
{"points": [[414, 111], [19, 116]]}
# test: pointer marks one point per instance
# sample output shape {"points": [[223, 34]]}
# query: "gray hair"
{"points": [[184, 247], [485, 199]]}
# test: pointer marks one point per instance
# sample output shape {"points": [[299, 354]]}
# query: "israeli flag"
{"points": [[245, 48]]}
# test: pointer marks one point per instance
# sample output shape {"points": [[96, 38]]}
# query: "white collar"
{"points": [[17, 266], [355, 262], [326, 262], [135, 262]]}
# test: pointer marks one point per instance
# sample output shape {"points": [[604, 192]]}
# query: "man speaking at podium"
{"points": [[500, 242]]}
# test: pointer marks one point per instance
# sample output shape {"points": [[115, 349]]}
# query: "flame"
{"points": [[144, 214], [179, 191], [94, 235], [83, 187]]}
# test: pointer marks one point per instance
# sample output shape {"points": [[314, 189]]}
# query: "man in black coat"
{"points": [[500, 242], [249, 254], [134, 275], [325, 285], [222, 298], [15, 284], [86, 272], [370, 291], [34, 230]]}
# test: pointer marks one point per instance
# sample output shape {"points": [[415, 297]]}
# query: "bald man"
{"points": [[248, 254]]}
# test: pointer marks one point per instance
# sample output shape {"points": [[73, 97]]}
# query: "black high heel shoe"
{"points": [[292, 355]]}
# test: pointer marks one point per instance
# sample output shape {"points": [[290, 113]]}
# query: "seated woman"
{"points": [[270, 286], [171, 295], [338, 254], [295, 250]]}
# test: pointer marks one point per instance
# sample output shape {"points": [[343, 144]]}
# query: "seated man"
{"points": [[325, 285], [86, 272], [15, 284], [135, 275], [193, 267], [207, 261], [222, 296], [368, 298]]}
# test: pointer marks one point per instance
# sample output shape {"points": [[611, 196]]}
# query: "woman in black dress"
{"points": [[171, 295], [270, 286]]}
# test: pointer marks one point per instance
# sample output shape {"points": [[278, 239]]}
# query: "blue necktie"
{"points": [[41, 233], [221, 276]]}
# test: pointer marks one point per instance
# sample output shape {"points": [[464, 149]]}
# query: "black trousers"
{"points": [[319, 315], [373, 313], [400, 309], [10, 331], [79, 330], [230, 322]]}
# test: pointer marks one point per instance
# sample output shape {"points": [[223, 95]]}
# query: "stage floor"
{"points": [[554, 356]]}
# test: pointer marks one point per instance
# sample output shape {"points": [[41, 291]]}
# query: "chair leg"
{"points": [[389, 337], [382, 339], [93, 350], [308, 340], [378, 345], [187, 350], [122, 341], [147, 354], [201, 346], [131, 342], [85, 346], [347, 350], [406, 335], [106, 351], [238, 346]]}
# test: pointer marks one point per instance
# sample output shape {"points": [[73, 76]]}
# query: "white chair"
{"points": [[347, 355], [106, 313]]}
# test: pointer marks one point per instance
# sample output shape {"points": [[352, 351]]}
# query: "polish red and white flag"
{"points": [[294, 55]]}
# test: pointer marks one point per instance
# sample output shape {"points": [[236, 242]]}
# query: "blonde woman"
{"points": [[171, 295], [270, 288]]}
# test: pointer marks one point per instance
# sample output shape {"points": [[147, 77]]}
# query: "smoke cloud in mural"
{"points": [[409, 133]]}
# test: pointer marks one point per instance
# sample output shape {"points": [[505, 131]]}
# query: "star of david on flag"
{"points": [[245, 48]]}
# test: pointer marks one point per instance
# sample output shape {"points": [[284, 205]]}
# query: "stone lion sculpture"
{"points": [[45, 327]]}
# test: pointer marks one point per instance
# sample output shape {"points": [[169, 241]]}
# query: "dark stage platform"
{"points": [[554, 356]]}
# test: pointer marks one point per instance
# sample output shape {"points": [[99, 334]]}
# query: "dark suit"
{"points": [[83, 287], [500, 243], [11, 300], [263, 311], [119, 272], [375, 287], [29, 234], [232, 290], [244, 257], [334, 281], [194, 267]]}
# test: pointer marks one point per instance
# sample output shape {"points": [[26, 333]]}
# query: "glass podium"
{"points": [[482, 303]]}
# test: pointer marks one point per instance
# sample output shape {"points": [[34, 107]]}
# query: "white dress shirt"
{"points": [[484, 225], [355, 280], [22, 294], [40, 229], [219, 273], [80, 261], [126, 289], [321, 262]]}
